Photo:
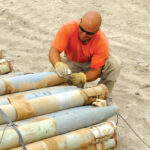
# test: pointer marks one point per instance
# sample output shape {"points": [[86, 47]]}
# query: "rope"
{"points": [[3, 133], [137, 135], [10, 123]]}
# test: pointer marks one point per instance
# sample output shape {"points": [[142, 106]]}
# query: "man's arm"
{"points": [[54, 56], [93, 74], [61, 68]]}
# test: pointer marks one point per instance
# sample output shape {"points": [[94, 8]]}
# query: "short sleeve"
{"points": [[60, 41], [101, 53]]}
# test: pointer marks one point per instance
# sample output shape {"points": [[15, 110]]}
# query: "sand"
{"points": [[27, 28]]}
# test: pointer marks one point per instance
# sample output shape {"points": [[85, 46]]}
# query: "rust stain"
{"points": [[60, 142], [102, 145], [45, 105], [9, 88], [104, 94], [105, 132], [54, 142], [53, 80], [37, 146], [90, 147], [115, 129], [54, 124], [23, 108], [40, 118], [34, 146], [94, 128], [91, 96], [115, 137], [90, 92], [116, 140], [45, 82], [87, 136], [85, 97]]}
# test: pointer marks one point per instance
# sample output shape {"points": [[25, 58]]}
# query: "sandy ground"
{"points": [[27, 28]]}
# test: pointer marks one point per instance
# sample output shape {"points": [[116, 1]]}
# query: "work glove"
{"points": [[62, 69], [78, 78]]}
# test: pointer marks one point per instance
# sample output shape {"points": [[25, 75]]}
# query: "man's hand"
{"points": [[62, 69], [78, 78]]}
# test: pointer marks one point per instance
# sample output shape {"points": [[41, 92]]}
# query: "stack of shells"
{"points": [[55, 118]]}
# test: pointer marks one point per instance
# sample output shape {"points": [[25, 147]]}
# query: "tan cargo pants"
{"points": [[109, 74]]}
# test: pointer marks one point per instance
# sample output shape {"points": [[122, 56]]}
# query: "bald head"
{"points": [[89, 26], [92, 20]]}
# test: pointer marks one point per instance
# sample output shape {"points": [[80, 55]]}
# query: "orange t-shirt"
{"points": [[95, 51]]}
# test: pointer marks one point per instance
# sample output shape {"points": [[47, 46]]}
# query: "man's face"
{"points": [[86, 32]]}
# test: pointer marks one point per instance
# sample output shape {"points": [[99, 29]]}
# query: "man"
{"points": [[86, 51]]}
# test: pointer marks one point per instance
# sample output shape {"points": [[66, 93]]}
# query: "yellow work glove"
{"points": [[78, 78], [62, 69]]}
